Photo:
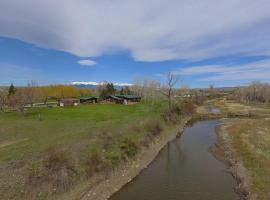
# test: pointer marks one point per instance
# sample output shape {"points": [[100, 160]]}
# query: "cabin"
{"points": [[88, 100], [114, 99], [68, 102], [186, 95], [129, 98]]}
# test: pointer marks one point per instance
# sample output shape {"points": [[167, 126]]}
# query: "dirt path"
{"points": [[11, 142]]}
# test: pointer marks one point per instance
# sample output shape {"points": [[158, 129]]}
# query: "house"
{"points": [[88, 100], [114, 99], [129, 98], [184, 95], [68, 102]]}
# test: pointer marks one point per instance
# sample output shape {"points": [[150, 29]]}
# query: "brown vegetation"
{"points": [[250, 139], [256, 92]]}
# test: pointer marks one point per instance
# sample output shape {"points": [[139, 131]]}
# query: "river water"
{"points": [[184, 170]]}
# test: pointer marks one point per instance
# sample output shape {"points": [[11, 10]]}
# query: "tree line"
{"points": [[256, 92], [149, 89], [17, 98]]}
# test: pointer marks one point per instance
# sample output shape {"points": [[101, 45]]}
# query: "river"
{"points": [[184, 170]]}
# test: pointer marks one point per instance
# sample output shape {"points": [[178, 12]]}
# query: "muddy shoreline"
{"points": [[225, 152], [129, 171]]}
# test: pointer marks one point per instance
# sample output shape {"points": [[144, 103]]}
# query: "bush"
{"points": [[128, 148], [175, 111], [59, 169], [107, 139], [188, 108], [172, 114], [114, 157], [155, 128], [96, 163], [55, 160], [55, 170], [35, 174]]}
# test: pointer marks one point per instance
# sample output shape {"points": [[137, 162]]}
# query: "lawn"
{"points": [[49, 151], [42, 128]]}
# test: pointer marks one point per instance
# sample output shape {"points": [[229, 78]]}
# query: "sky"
{"points": [[224, 43]]}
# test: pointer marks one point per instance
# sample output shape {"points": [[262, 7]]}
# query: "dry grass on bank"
{"points": [[234, 109], [251, 140]]}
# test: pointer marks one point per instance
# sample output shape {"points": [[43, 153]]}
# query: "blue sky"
{"points": [[205, 42]]}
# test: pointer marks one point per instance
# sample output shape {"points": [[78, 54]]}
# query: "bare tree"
{"points": [[20, 100], [146, 87], [212, 90], [3, 99], [183, 90], [22, 97], [168, 89], [255, 92], [29, 92]]}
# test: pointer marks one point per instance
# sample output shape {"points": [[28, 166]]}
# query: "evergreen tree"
{"points": [[106, 90], [122, 91], [11, 90], [127, 91], [110, 89]]}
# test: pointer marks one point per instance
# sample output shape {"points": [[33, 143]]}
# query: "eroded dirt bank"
{"points": [[225, 151], [126, 173]]}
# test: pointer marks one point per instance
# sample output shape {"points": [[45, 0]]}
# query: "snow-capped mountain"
{"points": [[93, 85]]}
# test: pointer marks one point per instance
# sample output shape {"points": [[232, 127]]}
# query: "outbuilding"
{"points": [[114, 99], [88, 100], [68, 102], [130, 98]]}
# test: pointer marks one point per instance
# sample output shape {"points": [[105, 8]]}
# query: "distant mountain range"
{"points": [[94, 85]]}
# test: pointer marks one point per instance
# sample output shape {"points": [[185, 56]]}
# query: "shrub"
{"points": [[55, 170], [172, 114], [188, 108], [55, 160], [128, 148], [175, 111], [107, 139], [58, 169], [35, 174], [113, 157], [95, 162], [155, 128]]}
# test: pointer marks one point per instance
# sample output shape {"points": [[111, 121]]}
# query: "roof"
{"points": [[115, 97], [69, 100], [87, 98], [129, 96]]}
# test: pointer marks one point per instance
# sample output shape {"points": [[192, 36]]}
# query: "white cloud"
{"points": [[99, 83], [87, 62], [259, 70], [152, 30]]}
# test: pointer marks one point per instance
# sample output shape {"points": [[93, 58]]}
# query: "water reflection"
{"points": [[184, 170]]}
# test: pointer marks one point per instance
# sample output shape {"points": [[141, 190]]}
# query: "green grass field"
{"points": [[51, 149], [43, 128]]}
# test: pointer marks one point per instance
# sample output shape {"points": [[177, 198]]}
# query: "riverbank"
{"points": [[244, 145], [50, 153], [64, 153], [131, 170], [225, 152]]}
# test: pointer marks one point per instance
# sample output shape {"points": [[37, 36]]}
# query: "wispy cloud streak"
{"points": [[259, 70], [153, 30]]}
